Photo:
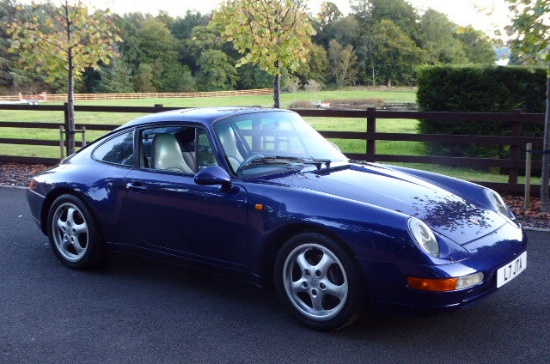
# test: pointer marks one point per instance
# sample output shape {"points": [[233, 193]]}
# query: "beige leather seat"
{"points": [[166, 154], [229, 143]]}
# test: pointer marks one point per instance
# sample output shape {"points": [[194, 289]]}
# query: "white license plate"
{"points": [[511, 270]]}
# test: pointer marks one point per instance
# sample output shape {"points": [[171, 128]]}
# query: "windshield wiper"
{"points": [[279, 159]]}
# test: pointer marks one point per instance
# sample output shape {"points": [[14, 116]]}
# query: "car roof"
{"points": [[204, 116]]}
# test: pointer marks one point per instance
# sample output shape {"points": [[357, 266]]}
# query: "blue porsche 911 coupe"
{"points": [[259, 195]]}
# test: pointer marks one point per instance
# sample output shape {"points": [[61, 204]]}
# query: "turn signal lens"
{"points": [[435, 285], [446, 284]]}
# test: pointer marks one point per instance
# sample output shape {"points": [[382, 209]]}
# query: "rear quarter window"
{"points": [[117, 150]]}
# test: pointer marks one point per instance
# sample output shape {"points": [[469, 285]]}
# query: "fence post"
{"points": [[371, 129], [62, 140], [514, 149], [66, 122], [527, 196], [83, 137]]}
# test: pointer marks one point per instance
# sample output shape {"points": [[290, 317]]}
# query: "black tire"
{"points": [[318, 282], [73, 234]]}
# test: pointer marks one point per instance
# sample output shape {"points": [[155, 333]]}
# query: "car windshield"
{"points": [[270, 141]]}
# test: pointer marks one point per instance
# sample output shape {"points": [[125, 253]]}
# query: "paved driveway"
{"points": [[140, 311]]}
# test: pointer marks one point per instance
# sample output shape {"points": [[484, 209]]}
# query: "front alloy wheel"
{"points": [[317, 280]]}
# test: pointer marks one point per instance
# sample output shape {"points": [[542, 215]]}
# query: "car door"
{"points": [[172, 214]]}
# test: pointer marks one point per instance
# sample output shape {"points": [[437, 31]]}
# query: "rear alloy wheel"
{"points": [[318, 282], [73, 235]]}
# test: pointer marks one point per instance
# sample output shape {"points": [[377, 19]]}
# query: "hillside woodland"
{"points": [[381, 42]]}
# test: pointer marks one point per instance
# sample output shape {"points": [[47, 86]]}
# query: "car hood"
{"points": [[445, 212]]}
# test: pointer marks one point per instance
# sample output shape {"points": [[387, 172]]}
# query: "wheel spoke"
{"points": [[62, 225], [76, 245], [70, 215], [298, 286], [64, 243], [335, 290], [80, 229], [324, 264], [317, 302], [302, 262]]}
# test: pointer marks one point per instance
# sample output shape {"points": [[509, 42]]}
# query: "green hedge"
{"points": [[478, 89]]}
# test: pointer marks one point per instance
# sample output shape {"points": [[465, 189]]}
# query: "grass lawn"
{"points": [[321, 124]]}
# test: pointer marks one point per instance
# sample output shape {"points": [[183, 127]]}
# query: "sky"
{"points": [[462, 12]]}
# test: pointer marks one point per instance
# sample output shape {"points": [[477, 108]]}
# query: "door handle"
{"points": [[136, 186]]}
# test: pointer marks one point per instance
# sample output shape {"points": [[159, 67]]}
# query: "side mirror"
{"points": [[213, 176]]}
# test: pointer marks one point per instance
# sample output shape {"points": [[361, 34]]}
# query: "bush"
{"points": [[478, 89], [313, 86]]}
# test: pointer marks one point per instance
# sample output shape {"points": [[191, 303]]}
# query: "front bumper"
{"points": [[387, 281]]}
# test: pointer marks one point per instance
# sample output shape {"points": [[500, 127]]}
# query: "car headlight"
{"points": [[498, 204], [423, 236]]}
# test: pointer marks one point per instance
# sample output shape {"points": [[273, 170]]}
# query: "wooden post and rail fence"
{"points": [[512, 121]]}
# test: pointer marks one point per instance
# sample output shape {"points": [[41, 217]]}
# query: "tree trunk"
{"points": [[277, 87], [70, 111], [545, 204]]}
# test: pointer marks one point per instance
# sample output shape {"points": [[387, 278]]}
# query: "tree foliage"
{"points": [[62, 43], [216, 73], [115, 78], [64, 38], [476, 47], [270, 33], [393, 56], [342, 63], [273, 38], [436, 35]]}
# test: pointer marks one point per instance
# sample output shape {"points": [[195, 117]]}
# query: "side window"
{"points": [[184, 149], [117, 150], [205, 153]]}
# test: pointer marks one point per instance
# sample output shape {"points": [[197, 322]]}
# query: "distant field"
{"points": [[322, 124]]}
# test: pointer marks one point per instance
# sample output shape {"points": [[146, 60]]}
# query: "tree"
{"points": [[156, 41], [530, 34], [398, 11], [326, 18], [115, 78], [329, 13], [176, 78], [271, 33], [437, 36], [7, 14], [348, 31], [216, 72], [317, 67], [183, 27], [342, 62], [67, 40], [144, 78], [393, 54], [251, 76], [129, 29], [477, 47], [202, 38]]}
